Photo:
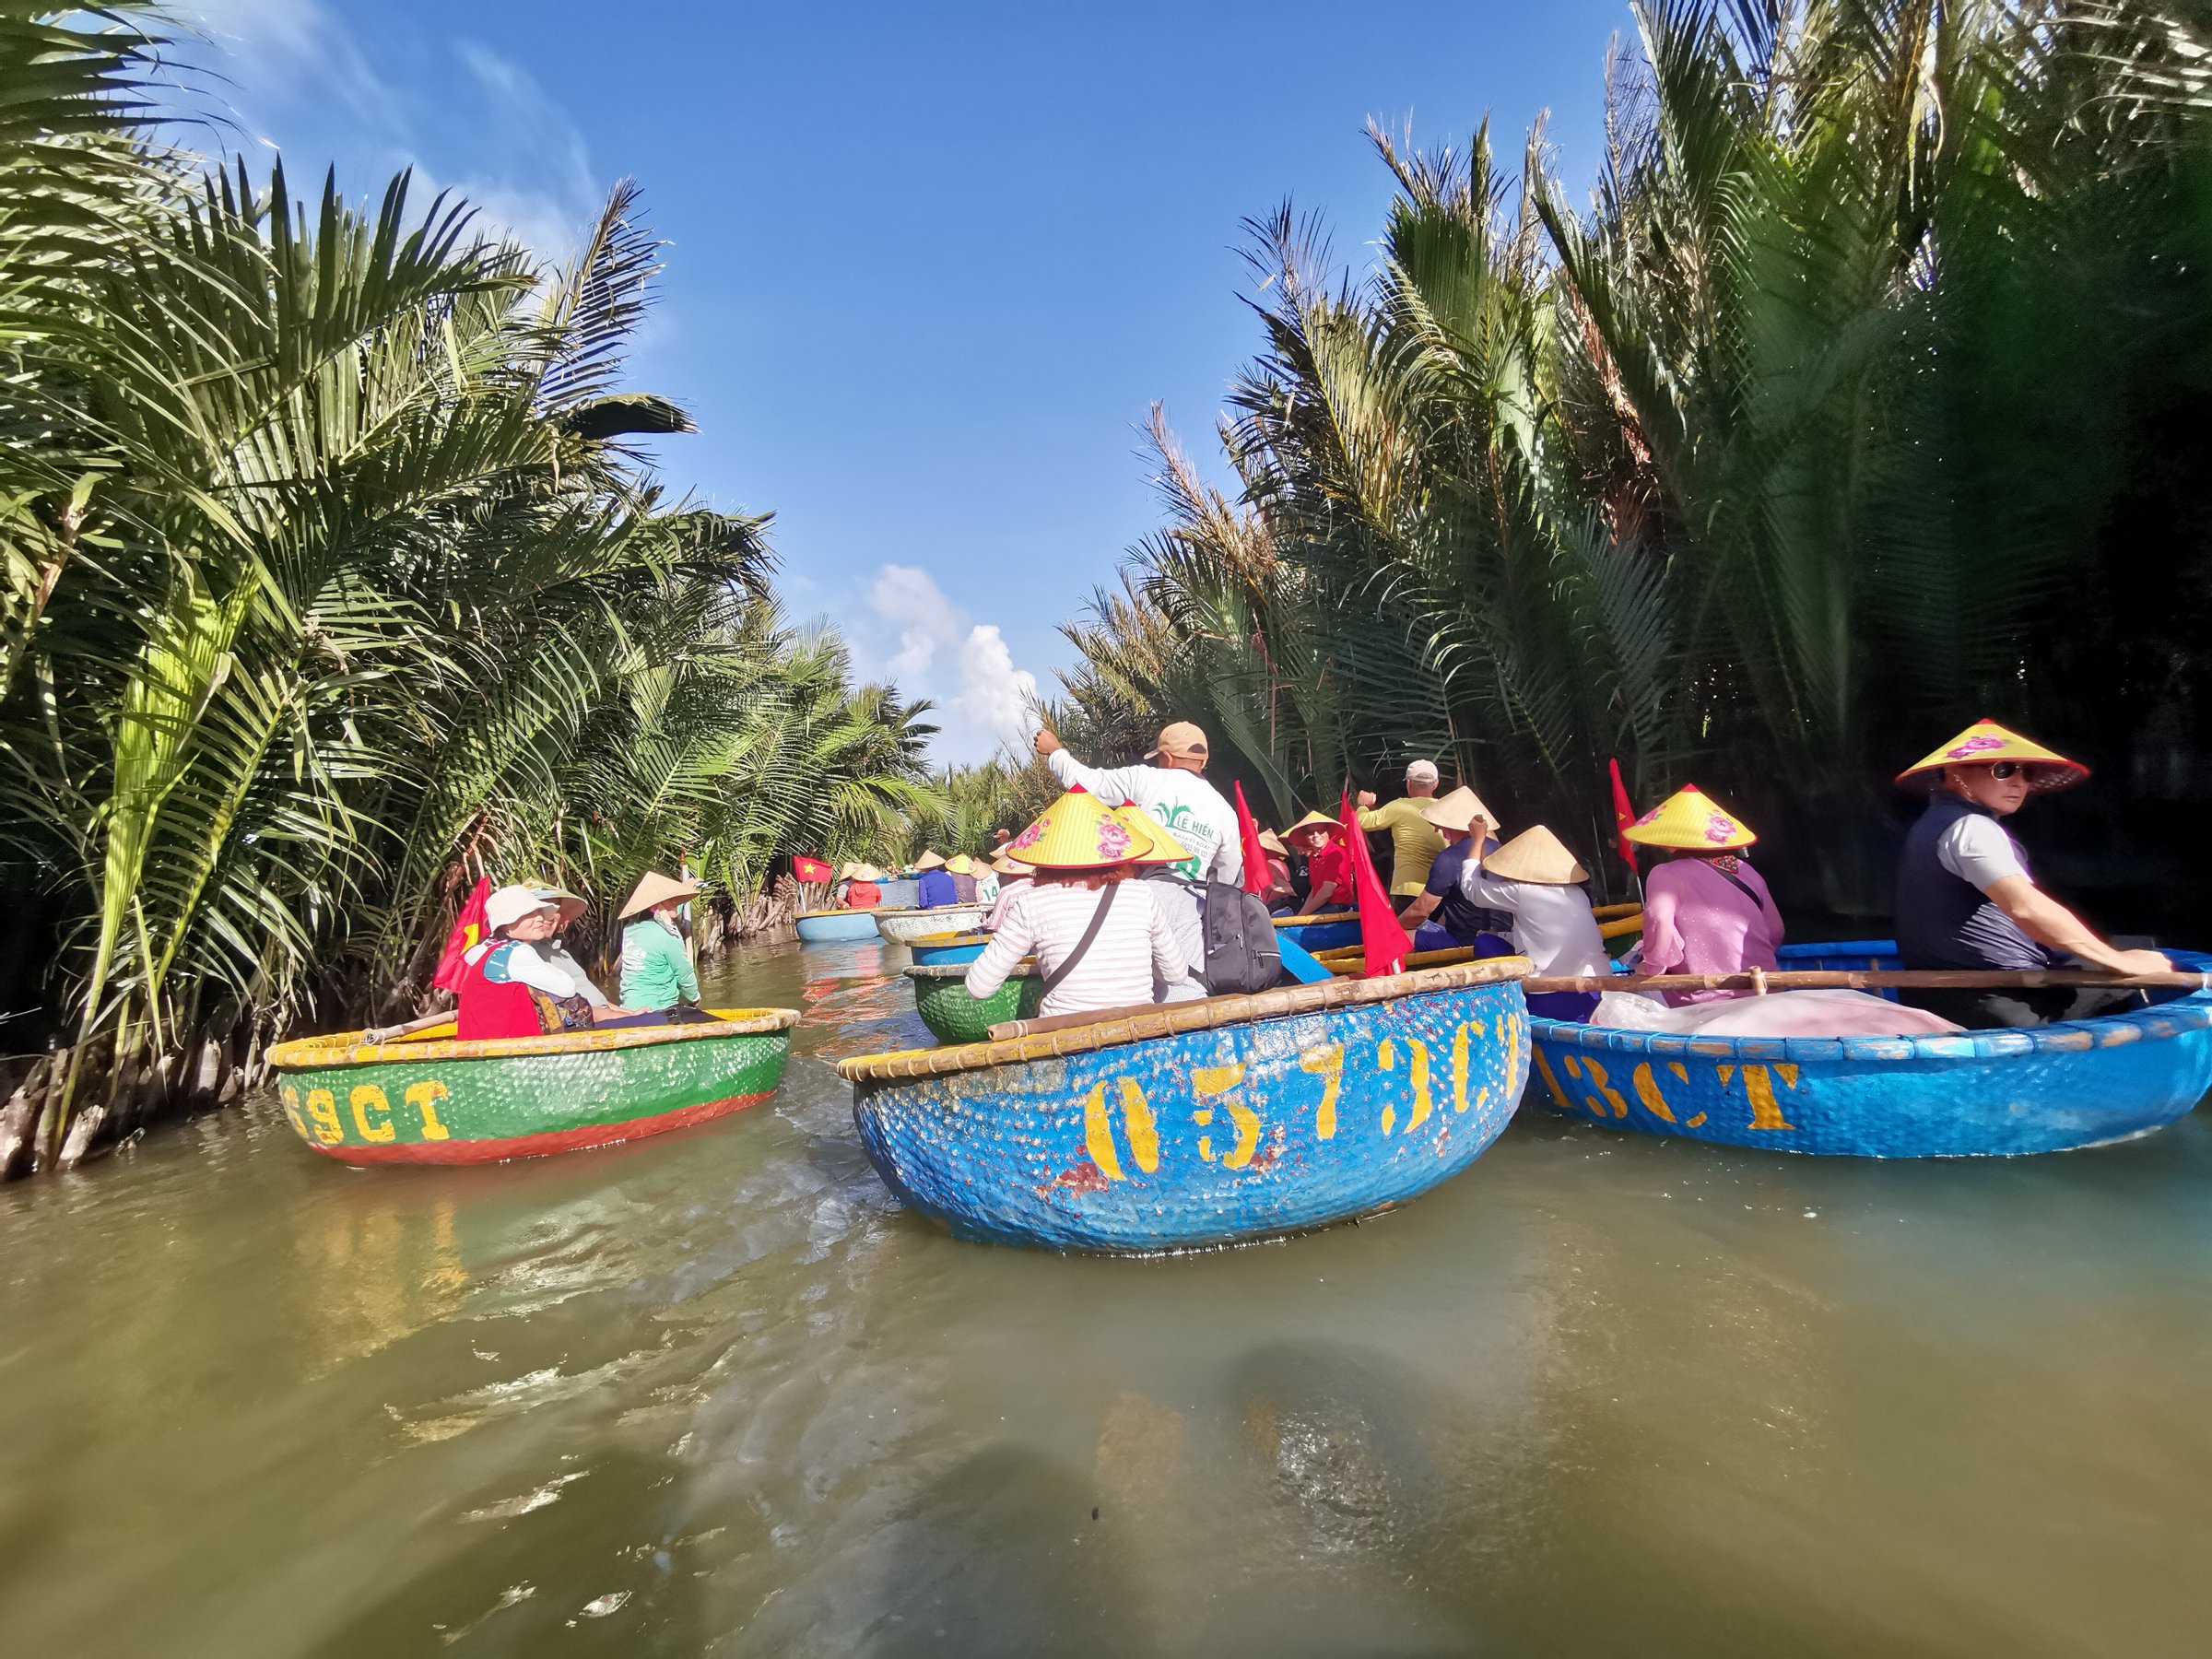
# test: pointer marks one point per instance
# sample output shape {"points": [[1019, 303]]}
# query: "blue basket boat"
{"points": [[1331, 932], [1204, 1123], [1978, 1093], [833, 927], [945, 950]]}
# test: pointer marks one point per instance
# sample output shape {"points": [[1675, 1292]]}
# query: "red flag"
{"points": [[468, 933], [809, 869], [1383, 942], [1623, 815], [1256, 856]]}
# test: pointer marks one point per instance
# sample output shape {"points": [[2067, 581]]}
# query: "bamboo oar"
{"points": [[386, 1034], [1868, 979]]}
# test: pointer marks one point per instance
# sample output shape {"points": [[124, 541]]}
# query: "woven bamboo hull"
{"points": [[1207, 1137], [1331, 932], [440, 1101], [904, 927], [1975, 1094], [953, 1015], [945, 949], [837, 927]]}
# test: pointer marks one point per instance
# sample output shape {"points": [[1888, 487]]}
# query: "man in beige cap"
{"points": [[1174, 792], [1414, 840]]}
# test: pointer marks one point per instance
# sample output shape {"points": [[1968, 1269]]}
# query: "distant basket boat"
{"points": [[1329, 932], [904, 927], [836, 926], [431, 1099], [944, 949], [952, 1016], [1976, 1093], [1207, 1122]]}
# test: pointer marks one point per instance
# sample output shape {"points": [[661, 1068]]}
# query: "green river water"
{"points": [[716, 1394]]}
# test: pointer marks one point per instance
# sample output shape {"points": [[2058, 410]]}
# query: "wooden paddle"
{"points": [[1866, 979], [386, 1034]]}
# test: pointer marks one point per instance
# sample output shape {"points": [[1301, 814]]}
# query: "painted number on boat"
{"points": [[368, 1115], [1231, 1125], [1602, 1096]]}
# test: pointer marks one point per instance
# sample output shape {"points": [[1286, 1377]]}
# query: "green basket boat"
{"points": [[430, 1098], [953, 1015]]}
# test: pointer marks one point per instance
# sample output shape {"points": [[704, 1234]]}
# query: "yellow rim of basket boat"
{"points": [[1172, 1020], [346, 1048]]}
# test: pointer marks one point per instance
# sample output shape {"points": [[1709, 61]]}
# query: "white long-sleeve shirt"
{"points": [[1552, 925], [1191, 809], [1049, 920]]}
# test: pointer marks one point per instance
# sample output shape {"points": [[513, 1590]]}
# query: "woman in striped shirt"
{"points": [[1083, 856]]}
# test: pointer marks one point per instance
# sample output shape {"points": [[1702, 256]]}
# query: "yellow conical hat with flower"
{"points": [[1691, 821], [1080, 832], [959, 864], [1166, 848], [1984, 744]]}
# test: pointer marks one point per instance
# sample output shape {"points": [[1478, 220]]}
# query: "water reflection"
{"points": [[714, 1394]]}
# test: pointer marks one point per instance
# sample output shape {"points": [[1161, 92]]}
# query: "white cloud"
{"points": [[964, 667]]}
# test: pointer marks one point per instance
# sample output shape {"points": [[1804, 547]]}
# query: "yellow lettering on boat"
{"points": [[1209, 1082], [1386, 1057], [1759, 1086], [1202, 1117], [1324, 1061], [1551, 1082], [1097, 1134], [1136, 1122], [1461, 1057], [1647, 1091], [424, 1097], [1423, 1104], [1606, 1094], [290, 1097], [323, 1111], [1681, 1071], [368, 1098]]}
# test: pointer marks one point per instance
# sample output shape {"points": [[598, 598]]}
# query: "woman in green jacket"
{"points": [[656, 970]]}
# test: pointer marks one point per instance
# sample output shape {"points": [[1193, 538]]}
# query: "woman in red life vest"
{"points": [[516, 983]]}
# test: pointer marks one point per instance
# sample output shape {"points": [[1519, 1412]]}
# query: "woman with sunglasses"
{"points": [[1966, 901]]}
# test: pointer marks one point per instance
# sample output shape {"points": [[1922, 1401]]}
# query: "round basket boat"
{"points": [[836, 926], [1204, 1123], [904, 927], [431, 1099], [941, 998], [948, 947], [1976, 1093], [1331, 932]]}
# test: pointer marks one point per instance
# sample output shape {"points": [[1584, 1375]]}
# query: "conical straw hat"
{"points": [[1273, 843], [846, 870], [1537, 856], [1691, 821], [656, 888], [1005, 866], [929, 861], [572, 905], [1458, 810], [866, 872], [959, 864], [1316, 821], [1166, 848], [1985, 743], [1078, 832]]}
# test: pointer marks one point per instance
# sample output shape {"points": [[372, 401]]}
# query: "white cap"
{"points": [[511, 905], [1421, 771]]}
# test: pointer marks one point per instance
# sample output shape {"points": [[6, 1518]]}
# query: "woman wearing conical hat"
{"points": [[1012, 876], [1083, 854], [656, 970], [1320, 841], [1534, 879], [1705, 909], [1281, 891], [1966, 899]]}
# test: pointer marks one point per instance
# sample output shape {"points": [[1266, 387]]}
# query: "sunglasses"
{"points": [[2003, 769]]}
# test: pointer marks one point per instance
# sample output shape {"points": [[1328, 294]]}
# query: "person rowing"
{"points": [[1965, 899], [1441, 917], [1536, 880], [1100, 939], [518, 981], [1705, 909]]}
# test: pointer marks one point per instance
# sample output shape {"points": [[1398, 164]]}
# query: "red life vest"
{"points": [[494, 1007]]}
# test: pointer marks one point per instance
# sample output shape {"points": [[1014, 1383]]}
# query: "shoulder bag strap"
{"points": [[1098, 920], [1740, 885]]}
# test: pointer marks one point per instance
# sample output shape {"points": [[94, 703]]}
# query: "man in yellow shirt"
{"points": [[1413, 839]]}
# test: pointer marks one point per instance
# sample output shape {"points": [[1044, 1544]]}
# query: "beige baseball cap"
{"points": [[1180, 741], [1421, 771]]}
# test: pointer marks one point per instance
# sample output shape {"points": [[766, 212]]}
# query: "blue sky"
{"points": [[930, 266]]}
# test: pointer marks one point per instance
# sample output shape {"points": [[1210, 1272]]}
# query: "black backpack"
{"points": [[1241, 949]]}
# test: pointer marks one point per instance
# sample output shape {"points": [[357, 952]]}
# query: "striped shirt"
{"points": [[1134, 947]]}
